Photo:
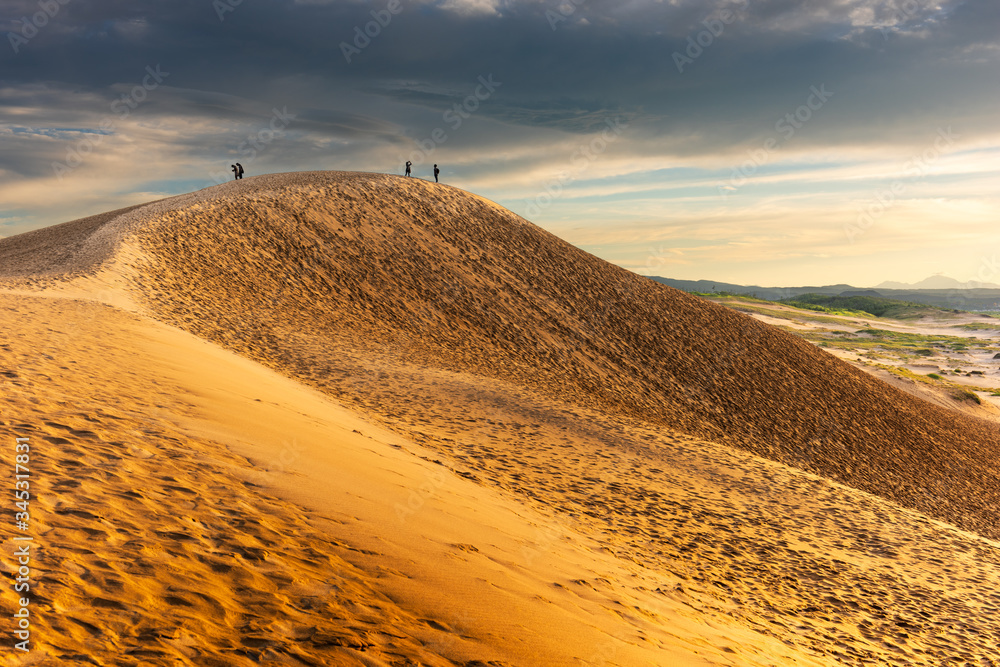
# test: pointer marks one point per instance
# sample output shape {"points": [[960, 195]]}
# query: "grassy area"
{"points": [[852, 306], [871, 342], [834, 325], [977, 326], [915, 344], [749, 304], [716, 296], [908, 374], [965, 395]]}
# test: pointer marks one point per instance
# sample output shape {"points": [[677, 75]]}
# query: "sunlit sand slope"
{"points": [[273, 266], [529, 476], [156, 541]]}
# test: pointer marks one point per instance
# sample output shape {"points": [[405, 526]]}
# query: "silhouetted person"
{"points": [[241, 170], [408, 165], [436, 172], [236, 171]]}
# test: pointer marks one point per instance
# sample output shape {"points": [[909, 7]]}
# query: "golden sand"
{"points": [[355, 419]]}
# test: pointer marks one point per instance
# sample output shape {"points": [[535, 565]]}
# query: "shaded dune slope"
{"points": [[61, 247], [413, 272]]}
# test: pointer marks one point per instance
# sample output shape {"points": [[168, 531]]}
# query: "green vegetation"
{"points": [[748, 298], [964, 395], [919, 342], [854, 305], [834, 325], [977, 326], [903, 372], [749, 304], [824, 326]]}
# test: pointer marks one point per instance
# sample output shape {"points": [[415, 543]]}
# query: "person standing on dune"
{"points": [[408, 165], [236, 172], [240, 167], [436, 172]]}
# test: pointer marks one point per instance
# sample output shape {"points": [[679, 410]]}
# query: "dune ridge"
{"points": [[558, 393], [425, 273]]}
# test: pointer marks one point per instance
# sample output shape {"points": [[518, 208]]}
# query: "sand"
{"points": [[336, 419], [962, 370]]}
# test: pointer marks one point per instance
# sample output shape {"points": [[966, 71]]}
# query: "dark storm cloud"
{"points": [[896, 68], [701, 86], [561, 64]]}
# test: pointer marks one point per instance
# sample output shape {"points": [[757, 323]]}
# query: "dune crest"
{"points": [[424, 273], [548, 463]]}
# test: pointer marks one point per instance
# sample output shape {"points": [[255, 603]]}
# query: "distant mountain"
{"points": [[861, 292], [944, 293], [937, 282], [769, 293]]}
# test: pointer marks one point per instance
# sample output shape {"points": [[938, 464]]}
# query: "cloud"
{"points": [[898, 69], [471, 7]]}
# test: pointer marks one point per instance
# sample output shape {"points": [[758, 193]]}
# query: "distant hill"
{"points": [[769, 293], [951, 298], [937, 282], [874, 305]]}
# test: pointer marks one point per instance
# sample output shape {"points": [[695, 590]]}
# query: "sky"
{"points": [[767, 142]]}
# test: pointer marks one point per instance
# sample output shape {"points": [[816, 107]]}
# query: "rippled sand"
{"points": [[339, 418]]}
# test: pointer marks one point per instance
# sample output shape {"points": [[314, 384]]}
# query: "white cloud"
{"points": [[473, 7]]}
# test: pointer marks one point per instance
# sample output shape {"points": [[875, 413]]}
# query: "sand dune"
{"points": [[160, 545], [543, 459], [413, 271]]}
